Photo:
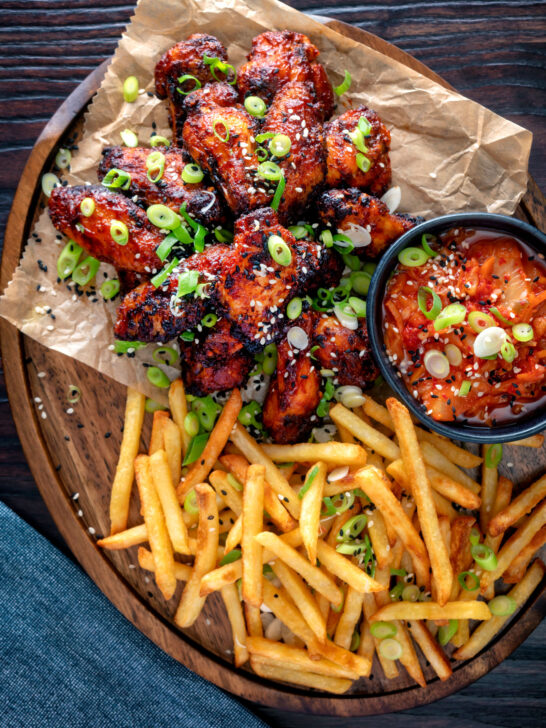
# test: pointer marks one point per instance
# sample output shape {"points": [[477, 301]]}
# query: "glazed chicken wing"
{"points": [[93, 233], [215, 361], [295, 114], [201, 199], [158, 314], [341, 160], [253, 290], [278, 57], [185, 58], [365, 219], [294, 392]]}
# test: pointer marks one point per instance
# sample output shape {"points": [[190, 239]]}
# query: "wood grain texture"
{"points": [[75, 456]]}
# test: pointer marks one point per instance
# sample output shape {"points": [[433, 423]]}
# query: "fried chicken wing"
{"points": [[295, 114], [253, 290], [343, 170], [365, 219], [157, 314], [185, 58], [215, 362], [278, 57], [211, 95], [93, 232], [294, 391], [201, 199], [344, 351]]}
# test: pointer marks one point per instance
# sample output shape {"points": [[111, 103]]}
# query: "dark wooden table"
{"points": [[491, 50]]}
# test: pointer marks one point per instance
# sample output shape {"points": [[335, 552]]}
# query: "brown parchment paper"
{"points": [[449, 154]]}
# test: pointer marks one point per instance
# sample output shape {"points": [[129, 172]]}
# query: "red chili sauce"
{"points": [[504, 282]]}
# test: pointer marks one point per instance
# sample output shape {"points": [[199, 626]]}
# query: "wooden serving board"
{"points": [[73, 457]]}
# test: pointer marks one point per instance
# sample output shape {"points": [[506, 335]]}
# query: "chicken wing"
{"points": [[278, 57], [158, 314], [185, 58], [201, 199], [215, 361], [341, 160], [93, 233], [295, 114], [294, 391], [363, 218], [253, 290]]}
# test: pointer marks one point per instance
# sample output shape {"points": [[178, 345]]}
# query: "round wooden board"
{"points": [[76, 453]]}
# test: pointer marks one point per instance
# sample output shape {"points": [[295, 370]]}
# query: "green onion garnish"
{"points": [[479, 321], [157, 377], [129, 138], [165, 246], [399, 572], [270, 359], [85, 271], [165, 355], [155, 165], [390, 649], [49, 182], [383, 630], [493, 455], [447, 631], [206, 410], [232, 480], [357, 138], [355, 641], [188, 77], [342, 244], [363, 163], [427, 238], [294, 308], [248, 415], [187, 282], [497, 314], [223, 236], [68, 259], [190, 501], [364, 126], [187, 336], [130, 89], [411, 593], [87, 206], [422, 301], [163, 217], [358, 306], [209, 320], [466, 386], [192, 174], [327, 238], [508, 352], [216, 64], [117, 179], [255, 106], [308, 483], [152, 406], [119, 232], [503, 605], [412, 257], [396, 592], [298, 231], [523, 332], [345, 85], [191, 424], [269, 171], [484, 556], [63, 158], [277, 197], [474, 537], [451, 315], [128, 347], [463, 581], [352, 529], [230, 557], [110, 289], [280, 145], [221, 123], [159, 141], [163, 274], [360, 282], [279, 250]]}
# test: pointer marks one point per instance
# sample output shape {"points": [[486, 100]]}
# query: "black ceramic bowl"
{"points": [[524, 425]]}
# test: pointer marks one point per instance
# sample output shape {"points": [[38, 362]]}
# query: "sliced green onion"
{"points": [[269, 171], [363, 163], [128, 347], [255, 106], [357, 138], [119, 232], [277, 197], [436, 363], [279, 250], [202, 291], [187, 282], [412, 257], [232, 480], [308, 482], [390, 649], [280, 145], [345, 85], [270, 359], [360, 282], [155, 164], [63, 158], [152, 406], [129, 138], [264, 136], [117, 179], [159, 141], [49, 182], [369, 267], [493, 456], [68, 259], [157, 377], [191, 424], [422, 300], [87, 206], [383, 630], [163, 217], [293, 310], [352, 528], [187, 336], [503, 605], [495, 311], [411, 593], [342, 243], [523, 332], [110, 289], [427, 238], [463, 581], [207, 411], [230, 557], [508, 352], [358, 306], [199, 240], [484, 556], [85, 271], [474, 537], [364, 126], [298, 231], [396, 592], [355, 641], [447, 631], [352, 261], [248, 415], [189, 219], [165, 246], [165, 355], [479, 321], [188, 77], [209, 320], [192, 174], [223, 236], [221, 122], [195, 449], [327, 238], [453, 354], [262, 154], [225, 68], [130, 89], [74, 394], [466, 386], [451, 315], [163, 274], [190, 501], [399, 572], [353, 548]]}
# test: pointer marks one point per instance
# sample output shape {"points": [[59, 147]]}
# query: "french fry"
{"points": [[502, 499], [533, 441], [235, 534], [380, 540], [519, 507], [302, 597], [253, 508], [182, 572], [173, 447], [409, 657], [316, 578], [459, 552], [339, 521], [435, 458], [226, 520], [345, 570], [443, 506], [389, 667], [490, 477], [158, 426], [442, 486], [164, 486], [253, 619], [125, 539], [230, 595], [514, 545], [254, 453], [123, 479], [191, 602], [333, 453], [296, 658], [179, 410], [278, 601], [352, 610], [366, 648], [431, 649], [432, 610], [157, 529], [311, 504], [514, 573], [275, 671], [422, 492], [217, 439], [376, 487], [371, 437], [485, 632], [231, 497]]}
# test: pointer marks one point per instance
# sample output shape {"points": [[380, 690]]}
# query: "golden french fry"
{"points": [[273, 670], [311, 504], [339, 521], [436, 458], [231, 497], [432, 610], [278, 601], [253, 619], [352, 611], [253, 508], [397, 471], [164, 486], [380, 540], [173, 447], [519, 507], [154, 519], [485, 632], [371, 437], [502, 499], [302, 597], [230, 595], [125, 539], [443, 506], [533, 441], [123, 479], [215, 444], [182, 572], [235, 534], [296, 658], [333, 453], [459, 553], [191, 602], [431, 649], [422, 492], [179, 410], [226, 520], [158, 426], [389, 667], [366, 648], [345, 570], [409, 657], [452, 490], [516, 570], [490, 477]]}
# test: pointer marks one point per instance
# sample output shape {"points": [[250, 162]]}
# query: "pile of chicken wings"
{"points": [[244, 286]]}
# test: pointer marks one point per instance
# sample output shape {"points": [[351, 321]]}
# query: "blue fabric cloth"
{"points": [[69, 659]]}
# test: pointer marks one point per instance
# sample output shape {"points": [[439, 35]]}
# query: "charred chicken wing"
{"points": [[278, 57], [342, 150], [94, 233], [185, 58], [201, 199], [365, 219]]}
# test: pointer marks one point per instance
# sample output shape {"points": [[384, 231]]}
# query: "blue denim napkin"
{"points": [[69, 659]]}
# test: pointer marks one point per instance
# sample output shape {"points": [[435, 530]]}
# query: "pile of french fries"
{"points": [[265, 532]]}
